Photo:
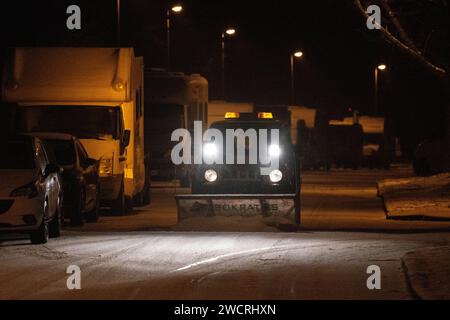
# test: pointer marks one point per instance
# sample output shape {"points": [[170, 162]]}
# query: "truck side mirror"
{"points": [[126, 138]]}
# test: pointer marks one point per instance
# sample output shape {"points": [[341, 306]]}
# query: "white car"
{"points": [[30, 189]]}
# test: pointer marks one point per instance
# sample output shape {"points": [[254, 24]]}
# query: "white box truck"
{"points": [[95, 94]]}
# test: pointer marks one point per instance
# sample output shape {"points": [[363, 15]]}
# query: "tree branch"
{"points": [[408, 49]]}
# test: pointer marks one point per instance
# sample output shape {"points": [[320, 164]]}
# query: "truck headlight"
{"points": [[210, 150], [106, 167], [276, 176], [274, 151], [210, 175]]}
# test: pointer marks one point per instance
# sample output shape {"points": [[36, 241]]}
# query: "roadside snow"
{"points": [[231, 224], [428, 272], [417, 196], [402, 184]]}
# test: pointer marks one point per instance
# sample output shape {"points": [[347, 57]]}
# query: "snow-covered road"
{"points": [[139, 257]]}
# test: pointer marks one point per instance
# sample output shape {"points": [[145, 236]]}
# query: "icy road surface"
{"points": [[139, 257]]}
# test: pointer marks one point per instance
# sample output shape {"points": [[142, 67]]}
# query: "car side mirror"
{"points": [[51, 168], [126, 138]]}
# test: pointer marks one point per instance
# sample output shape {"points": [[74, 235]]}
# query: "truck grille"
{"points": [[242, 173]]}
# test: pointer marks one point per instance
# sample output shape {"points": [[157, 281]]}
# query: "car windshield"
{"points": [[62, 151], [17, 154], [80, 121]]}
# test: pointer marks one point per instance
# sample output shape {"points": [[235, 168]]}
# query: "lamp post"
{"points": [[228, 32], [175, 9], [378, 68], [294, 55], [118, 22]]}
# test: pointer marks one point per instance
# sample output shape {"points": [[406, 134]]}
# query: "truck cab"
{"points": [[247, 174], [95, 94]]}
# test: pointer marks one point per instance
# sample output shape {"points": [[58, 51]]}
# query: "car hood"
{"points": [[13, 179]]}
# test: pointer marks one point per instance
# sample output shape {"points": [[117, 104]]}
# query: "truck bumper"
{"points": [[285, 206], [110, 187]]}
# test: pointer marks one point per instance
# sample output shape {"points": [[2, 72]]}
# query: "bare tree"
{"points": [[417, 28]]}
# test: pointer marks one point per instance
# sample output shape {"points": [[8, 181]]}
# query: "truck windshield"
{"points": [[84, 122]]}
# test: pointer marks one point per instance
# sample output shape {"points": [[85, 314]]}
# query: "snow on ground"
{"points": [[428, 272], [230, 224], [427, 197], [413, 183]]}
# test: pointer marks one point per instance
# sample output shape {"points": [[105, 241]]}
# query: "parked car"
{"points": [[81, 182], [432, 157], [30, 189]]}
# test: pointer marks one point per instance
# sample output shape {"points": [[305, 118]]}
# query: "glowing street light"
{"points": [[228, 32], [298, 55], [176, 9], [380, 67]]}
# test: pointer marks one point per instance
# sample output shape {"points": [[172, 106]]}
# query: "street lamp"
{"points": [[294, 55], [175, 10], [228, 32], [380, 67]]}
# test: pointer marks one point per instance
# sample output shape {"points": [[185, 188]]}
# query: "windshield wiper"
{"points": [[92, 137]]}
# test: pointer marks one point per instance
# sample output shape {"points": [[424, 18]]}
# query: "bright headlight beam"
{"points": [[274, 151], [210, 175], [210, 149], [276, 176]]}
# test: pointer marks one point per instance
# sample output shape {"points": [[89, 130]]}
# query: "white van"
{"points": [[95, 94]]}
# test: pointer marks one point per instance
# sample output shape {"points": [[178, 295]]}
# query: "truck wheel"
{"points": [[92, 216], [119, 206], [41, 235], [146, 198]]}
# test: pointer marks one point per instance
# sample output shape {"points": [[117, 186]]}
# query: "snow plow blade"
{"points": [[283, 206]]}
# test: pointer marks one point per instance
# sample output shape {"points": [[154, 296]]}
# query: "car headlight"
{"points": [[210, 150], [276, 176], [29, 190], [106, 167], [210, 175], [274, 151]]}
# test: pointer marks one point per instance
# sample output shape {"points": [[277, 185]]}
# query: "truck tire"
{"points": [[119, 206], [92, 216]]}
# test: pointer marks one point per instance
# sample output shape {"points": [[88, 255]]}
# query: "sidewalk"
{"points": [[428, 273]]}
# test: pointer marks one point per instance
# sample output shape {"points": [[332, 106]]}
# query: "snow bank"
{"points": [[417, 196], [392, 185]]}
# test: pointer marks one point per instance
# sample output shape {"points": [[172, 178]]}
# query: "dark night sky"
{"points": [[336, 72]]}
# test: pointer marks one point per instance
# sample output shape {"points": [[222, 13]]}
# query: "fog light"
{"points": [[210, 175], [276, 176]]}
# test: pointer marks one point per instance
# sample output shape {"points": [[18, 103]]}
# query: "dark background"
{"points": [[336, 73]]}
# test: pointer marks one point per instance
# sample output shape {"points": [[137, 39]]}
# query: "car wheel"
{"points": [[55, 224], [92, 216], [76, 216], [41, 235], [119, 206]]}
